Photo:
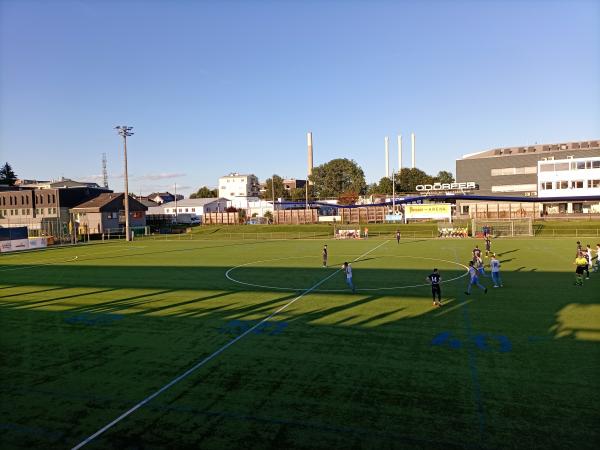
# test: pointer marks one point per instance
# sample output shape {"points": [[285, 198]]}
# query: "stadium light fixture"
{"points": [[125, 131]]}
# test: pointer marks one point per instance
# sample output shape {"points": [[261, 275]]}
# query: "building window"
{"points": [[577, 184], [562, 185], [136, 215], [514, 171], [186, 210], [594, 184], [547, 185], [193, 209]]}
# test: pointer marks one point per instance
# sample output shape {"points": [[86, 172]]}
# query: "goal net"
{"points": [[502, 228]]}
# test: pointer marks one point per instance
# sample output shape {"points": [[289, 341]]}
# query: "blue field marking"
{"points": [[474, 373], [237, 327], [93, 319], [499, 342], [443, 338]]}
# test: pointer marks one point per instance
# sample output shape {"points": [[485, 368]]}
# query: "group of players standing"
{"points": [[584, 261]]}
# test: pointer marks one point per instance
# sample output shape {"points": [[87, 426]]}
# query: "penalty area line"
{"points": [[208, 358]]}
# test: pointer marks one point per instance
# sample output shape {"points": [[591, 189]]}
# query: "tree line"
{"points": [[344, 180]]}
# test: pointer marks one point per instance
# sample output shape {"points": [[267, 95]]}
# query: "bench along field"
{"points": [[248, 343]]}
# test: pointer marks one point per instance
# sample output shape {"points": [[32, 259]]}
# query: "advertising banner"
{"points": [[37, 242], [14, 245], [439, 211]]}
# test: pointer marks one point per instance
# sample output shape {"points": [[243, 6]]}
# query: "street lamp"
{"points": [[125, 131]]}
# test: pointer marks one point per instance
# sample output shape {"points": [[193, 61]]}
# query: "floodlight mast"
{"points": [[125, 131]]}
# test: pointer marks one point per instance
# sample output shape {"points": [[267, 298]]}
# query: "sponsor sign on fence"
{"points": [[440, 211]]}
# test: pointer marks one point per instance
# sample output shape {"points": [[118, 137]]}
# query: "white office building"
{"points": [[236, 185], [570, 177]]}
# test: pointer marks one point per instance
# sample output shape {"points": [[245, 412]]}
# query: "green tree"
{"points": [[444, 177], [298, 194], [336, 177], [7, 176], [205, 192], [407, 179], [385, 186], [280, 191]]}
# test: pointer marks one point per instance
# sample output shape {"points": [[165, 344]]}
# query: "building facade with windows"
{"points": [[193, 206], [238, 185], [43, 211], [520, 172]]}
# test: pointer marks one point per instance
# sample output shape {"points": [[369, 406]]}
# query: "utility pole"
{"points": [[393, 194], [273, 194], [176, 216], [125, 131]]}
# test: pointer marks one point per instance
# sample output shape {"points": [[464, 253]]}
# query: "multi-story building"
{"points": [[44, 211], [570, 178], [515, 172], [238, 185]]}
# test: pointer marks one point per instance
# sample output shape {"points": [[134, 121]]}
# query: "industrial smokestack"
{"points": [[310, 153], [399, 152], [387, 156], [412, 142]]}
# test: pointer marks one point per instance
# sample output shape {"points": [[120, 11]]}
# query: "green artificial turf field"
{"points": [[85, 340]]}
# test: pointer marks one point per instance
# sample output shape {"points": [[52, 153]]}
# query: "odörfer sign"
{"points": [[446, 186]]}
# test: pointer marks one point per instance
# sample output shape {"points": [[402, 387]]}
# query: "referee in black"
{"points": [[435, 278]]}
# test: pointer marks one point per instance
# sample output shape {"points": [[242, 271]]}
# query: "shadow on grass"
{"points": [[345, 330]]}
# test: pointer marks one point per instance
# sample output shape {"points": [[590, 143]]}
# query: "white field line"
{"points": [[208, 358], [33, 265], [279, 288]]}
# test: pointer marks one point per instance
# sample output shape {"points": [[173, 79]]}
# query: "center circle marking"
{"points": [[279, 288]]}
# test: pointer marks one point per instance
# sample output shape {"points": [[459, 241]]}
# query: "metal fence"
{"points": [[283, 235], [567, 232]]}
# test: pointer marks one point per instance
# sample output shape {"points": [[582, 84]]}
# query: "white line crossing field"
{"points": [[210, 357]]}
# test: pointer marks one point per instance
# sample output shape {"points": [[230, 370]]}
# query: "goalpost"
{"points": [[502, 228]]}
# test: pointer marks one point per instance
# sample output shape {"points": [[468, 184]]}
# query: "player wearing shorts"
{"points": [[495, 268], [325, 255], [488, 246], [474, 280], [480, 267], [580, 266], [476, 253], [435, 278], [398, 236], [348, 271]]}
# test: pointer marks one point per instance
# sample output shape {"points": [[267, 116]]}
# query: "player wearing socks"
{"points": [[474, 280], [435, 278], [348, 271]]}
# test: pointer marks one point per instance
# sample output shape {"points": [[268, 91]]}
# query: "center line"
{"points": [[208, 358]]}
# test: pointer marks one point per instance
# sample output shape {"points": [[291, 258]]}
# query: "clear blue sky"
{"points": [[215, 87]]}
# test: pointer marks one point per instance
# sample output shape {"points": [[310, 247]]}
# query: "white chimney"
{"points": [[387, 156], [412, 142], [310, 153], [399, 152]]}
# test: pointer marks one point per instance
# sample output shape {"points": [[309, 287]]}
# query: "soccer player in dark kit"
{"points": [[435, 279], [325, 256]]}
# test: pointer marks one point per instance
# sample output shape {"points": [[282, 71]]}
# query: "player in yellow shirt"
{"points": [[581, 265]]}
